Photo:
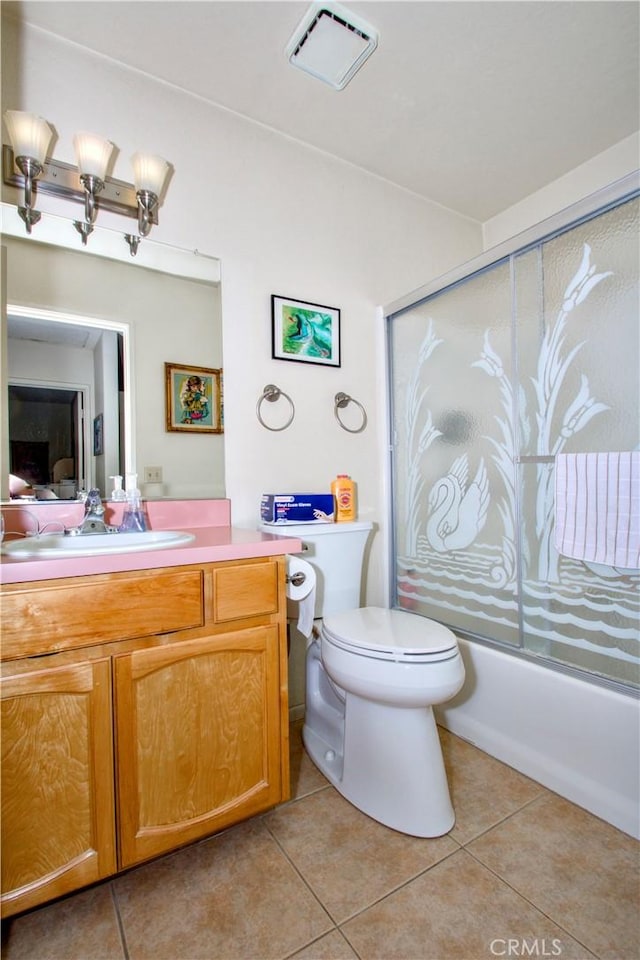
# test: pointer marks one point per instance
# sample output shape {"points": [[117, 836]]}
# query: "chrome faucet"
{"points": [[93, 515]]}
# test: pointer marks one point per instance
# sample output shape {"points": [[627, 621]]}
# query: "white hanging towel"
{"points": [[598, 507]]}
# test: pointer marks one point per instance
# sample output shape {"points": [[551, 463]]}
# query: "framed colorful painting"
{"points": [[305, 332], [193, 399]]}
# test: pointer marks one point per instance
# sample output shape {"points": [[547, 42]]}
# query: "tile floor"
{"points": [[523, 873]]}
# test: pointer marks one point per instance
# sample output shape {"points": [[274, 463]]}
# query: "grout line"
{"points": [[404, 883], [531, 903], [498, 823], [123, 936], [303, 796], [317, 940], [348, 942], [304, 880]]}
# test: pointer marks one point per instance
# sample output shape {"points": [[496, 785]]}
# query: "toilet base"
{"points": [[405, 789]]}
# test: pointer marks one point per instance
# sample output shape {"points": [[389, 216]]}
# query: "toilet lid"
{"points": [[394, 633]]}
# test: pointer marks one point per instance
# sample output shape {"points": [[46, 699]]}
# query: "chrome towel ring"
{"points": [[343, 400], [273, 393]]}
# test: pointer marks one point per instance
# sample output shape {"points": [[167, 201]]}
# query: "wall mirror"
{"points": [[86, 335]]}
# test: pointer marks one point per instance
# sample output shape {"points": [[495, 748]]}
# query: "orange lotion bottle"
{"points": [[344, 492]]}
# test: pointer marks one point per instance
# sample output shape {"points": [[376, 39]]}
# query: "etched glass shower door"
{"points": [[577, 334], [492, 379], [454, 486]]}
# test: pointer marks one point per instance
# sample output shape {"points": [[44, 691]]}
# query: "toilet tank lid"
{"points": [[306, 530], [376, 628]]}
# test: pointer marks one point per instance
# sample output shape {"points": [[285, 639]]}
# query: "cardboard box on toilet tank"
{"points": [[283, 508]]}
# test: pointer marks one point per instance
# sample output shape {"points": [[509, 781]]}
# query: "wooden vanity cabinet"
{"points": [[120, 751], [58, 823]]}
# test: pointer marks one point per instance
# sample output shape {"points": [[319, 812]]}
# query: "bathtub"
{"points": [[579, 739]]}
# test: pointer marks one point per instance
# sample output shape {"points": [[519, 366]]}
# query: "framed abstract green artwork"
{"points": [[305, 332]]}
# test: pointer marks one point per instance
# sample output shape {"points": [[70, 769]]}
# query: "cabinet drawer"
{"points": [[245, 590], [88, 610]]}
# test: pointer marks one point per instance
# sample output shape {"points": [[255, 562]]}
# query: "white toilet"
{"points": [[372, 679]]}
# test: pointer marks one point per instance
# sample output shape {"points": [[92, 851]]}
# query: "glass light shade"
{"points": [[149, 172], [92, 154], [30, 135]]}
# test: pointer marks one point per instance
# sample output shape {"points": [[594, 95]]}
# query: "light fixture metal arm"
{"points": [[92, 187], [30, 170], [147, 207]]}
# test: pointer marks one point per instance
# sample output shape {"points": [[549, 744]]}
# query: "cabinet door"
{"points": [[58, 822], [198, 738]]}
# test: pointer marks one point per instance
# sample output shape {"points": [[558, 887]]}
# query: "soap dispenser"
{"points": [[134, 520], [117, 493]]}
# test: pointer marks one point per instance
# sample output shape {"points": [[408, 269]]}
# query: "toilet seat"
{"points": [[396, 635]]}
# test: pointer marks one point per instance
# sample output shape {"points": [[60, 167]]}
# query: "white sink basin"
{"points": [[52, 546]]}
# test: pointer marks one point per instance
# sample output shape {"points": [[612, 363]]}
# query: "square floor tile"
{"points": [[458, 910], [84, 925], [579, 870], [234, 897], [348, 859]]}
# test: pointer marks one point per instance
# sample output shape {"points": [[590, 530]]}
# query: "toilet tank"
{"points": [[336, 551]]}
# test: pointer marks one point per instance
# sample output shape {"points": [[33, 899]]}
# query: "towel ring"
{"points": [[343, 400], [273, 393]]}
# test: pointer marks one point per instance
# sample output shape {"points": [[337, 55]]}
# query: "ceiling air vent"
{"points": [[331, 44]]}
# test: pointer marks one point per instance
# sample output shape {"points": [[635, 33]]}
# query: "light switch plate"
{"points": [[153, 475]]}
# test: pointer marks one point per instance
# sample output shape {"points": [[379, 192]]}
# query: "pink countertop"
{"points": [[214, 540]]}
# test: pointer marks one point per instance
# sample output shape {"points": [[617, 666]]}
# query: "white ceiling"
{"points": [[474, 105]]}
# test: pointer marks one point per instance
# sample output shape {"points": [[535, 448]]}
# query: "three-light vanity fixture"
{"points": [[30, 137]]}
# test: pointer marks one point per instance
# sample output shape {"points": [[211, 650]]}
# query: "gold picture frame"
{"points": [[193, 399]]}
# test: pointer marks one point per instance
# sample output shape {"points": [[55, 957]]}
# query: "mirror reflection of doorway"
{"points": [[72, 353], [47, 439]]}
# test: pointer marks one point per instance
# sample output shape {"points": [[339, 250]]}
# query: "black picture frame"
{"points": [[305, 332]]}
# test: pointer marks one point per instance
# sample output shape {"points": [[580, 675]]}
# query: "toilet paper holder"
{"points": [[297, 579]]}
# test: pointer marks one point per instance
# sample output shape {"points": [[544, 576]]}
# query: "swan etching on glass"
{"points": [[458, 508]]}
